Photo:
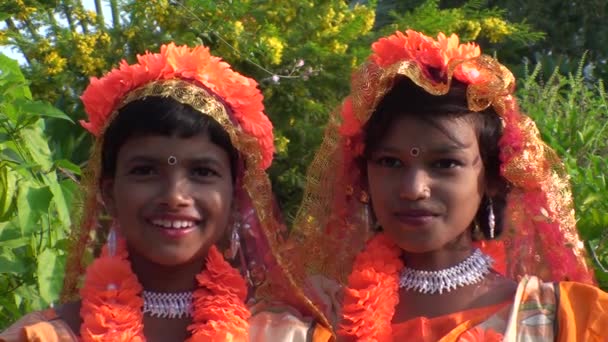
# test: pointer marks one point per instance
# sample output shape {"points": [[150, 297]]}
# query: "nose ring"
{"points": [[415, 152], [172, 160]]}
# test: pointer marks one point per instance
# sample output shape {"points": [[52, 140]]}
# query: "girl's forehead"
{"points": [[458, 130], [173, 145]]}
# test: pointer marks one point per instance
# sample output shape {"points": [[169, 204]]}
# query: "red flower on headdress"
{"points": [[240, 93], [427, 53]]}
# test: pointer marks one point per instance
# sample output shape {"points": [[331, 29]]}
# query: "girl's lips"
{"points": [[421, 220], [173, 224], [176, 233], [415, 217], [175, 227]]}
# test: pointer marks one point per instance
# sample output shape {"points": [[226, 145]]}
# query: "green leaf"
{"points": [[10, 154], [7, 191], [9, 263], [38, 108], [14, 83], [591, 198], [68, 165], [9, 231], [63, 212], [31, 203], [50, 275], [37, 145], [71, 191]]}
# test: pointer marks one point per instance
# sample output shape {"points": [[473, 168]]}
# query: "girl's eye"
{"points": [[204, 172], [390, 162], [447, 164], [142, 170]]}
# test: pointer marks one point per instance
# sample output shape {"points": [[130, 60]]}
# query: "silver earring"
{"points": [[235, 241], [112, 240], [491, 218], [476, 229]]}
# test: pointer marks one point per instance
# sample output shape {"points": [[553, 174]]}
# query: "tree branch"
{"points": [[11, 26], [115, 14], [68, 16], [99, 10]]}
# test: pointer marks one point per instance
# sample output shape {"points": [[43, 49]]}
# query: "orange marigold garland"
{"points": [[373, 292], [112, 306]]}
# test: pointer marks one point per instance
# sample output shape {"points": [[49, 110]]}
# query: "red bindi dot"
{"points": [[172, 160]]}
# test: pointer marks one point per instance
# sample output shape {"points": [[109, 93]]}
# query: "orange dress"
{"points": [[433, 329], [564, 312], [46, 326]]}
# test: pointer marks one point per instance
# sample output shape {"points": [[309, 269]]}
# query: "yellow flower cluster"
{"points": [[159, 10], [3, 37], [496, 29], [51, 61], [469, 30], [23, 10], [274, 46], [281, 142], [367, 14], [54, 64], [87, 57], [84, 16], [331, 22], [238, 28], [337, 47]]}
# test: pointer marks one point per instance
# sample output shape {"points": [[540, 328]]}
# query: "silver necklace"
{"points": [[470, 271], [167, 305]]}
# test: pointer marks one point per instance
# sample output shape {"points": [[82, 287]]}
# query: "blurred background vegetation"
{"points": [[302, 53]]}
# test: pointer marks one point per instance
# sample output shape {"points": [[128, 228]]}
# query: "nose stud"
{"points": [[172, 160], [415, 152]]}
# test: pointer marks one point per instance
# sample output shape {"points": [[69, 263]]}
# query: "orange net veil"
{"points": [[334, 222], [207, 84]]}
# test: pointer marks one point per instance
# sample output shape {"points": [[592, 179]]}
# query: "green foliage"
{"points": [[35, 197], [572, 27], [471, 20], [572, 116]]}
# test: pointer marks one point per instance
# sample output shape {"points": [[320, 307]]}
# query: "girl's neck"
{"points": [[162, 278], [449, 255]]}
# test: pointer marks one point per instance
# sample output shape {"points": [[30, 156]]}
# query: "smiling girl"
{"points": [[181, 148]]}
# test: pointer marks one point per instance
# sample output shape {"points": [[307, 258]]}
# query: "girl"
{"points": [[181, 148], [435, 205]]}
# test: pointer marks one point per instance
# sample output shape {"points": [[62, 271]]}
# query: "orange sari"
{"points": [[564, 312], [46, 326]]}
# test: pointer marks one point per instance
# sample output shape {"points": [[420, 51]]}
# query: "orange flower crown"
{"points": [[428, 53], [438, 61], [104, 95]]}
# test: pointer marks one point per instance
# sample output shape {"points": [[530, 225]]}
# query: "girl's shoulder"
{"points": [[43, 325]]}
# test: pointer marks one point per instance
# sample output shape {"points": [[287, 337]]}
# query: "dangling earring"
{"points": [[112, 239], [235, 239], [491, 218], [111, 243], [476, 230]]}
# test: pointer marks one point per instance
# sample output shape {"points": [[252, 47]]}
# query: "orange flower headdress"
{"points": [[103, 97], [333, 222], [194, 77]]}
